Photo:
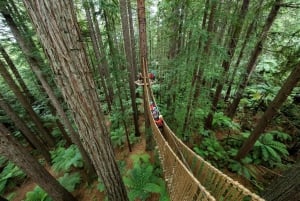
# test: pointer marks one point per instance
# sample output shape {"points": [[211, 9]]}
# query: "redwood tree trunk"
{"points": [[286, 187], [11, 149], [128, 52], [32, 139], [59, 32], [28, 48], [132, 39], [251, 64], [143, 61], [281, 96], [17, 75], [23, 100], [97, 52], [104, 62], [226, 62]]}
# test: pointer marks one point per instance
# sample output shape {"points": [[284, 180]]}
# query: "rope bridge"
{"points": [[189, 177]]}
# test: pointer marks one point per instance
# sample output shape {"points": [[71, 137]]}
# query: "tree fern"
{"points": [[63, 159], [142, 180], [8, 176], [270, 150], [37, 194], [69, 181]]}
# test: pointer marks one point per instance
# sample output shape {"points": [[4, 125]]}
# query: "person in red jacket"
{"points": [[160, 123], [151, 76]]}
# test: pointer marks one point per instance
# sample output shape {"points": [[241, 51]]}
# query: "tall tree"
{"points": [[15, 152], [132, 39], [226, 62], [254, 55], [21, 125], [31, 52], [59, 33], [143, 61], [96, 47], [104, 60], [48, 139], [281, 96], [16, 74], [130, 69]]}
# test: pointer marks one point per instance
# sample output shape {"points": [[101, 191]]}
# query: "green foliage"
{"points": [[69, 181], [3, 161], [269, 150], [10, 176], [11, 196], [118, 137], [241, 167], [142, 180], [37, 194], [222, 121], [63, 159], [258, 93], [280, 136], [100, 185], [211, 149]]}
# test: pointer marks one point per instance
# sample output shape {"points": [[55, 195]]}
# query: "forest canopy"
{"points": [[225, 76]]}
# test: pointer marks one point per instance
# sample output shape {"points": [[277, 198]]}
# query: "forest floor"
{"points": [[89, 192]]}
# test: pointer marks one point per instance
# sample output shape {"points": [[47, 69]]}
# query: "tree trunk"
{"points": [[17, 75], [286, 187], [249, 31], [281, 96], [132, 40], [207, 45], [69, 62], [251, 64], [11, 149], [28, 48], [226, 62], [97, 52], [32, 139], [38, 122], [131, 73], [104, 62], [143, 61]]}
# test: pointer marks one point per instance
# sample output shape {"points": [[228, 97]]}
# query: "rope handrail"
{"points": [[215, 181], [219, 185], [181, 184]]}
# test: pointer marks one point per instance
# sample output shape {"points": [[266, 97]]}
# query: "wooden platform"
{"points": [[141, 83]]}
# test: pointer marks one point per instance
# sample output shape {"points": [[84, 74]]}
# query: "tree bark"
{"points": [[11, 149], [281, 96], [251, 64], [226, 62], [104, 62], [98, 53], [285, 187], [28, 48], [23, 100], [132, 40], [249, 31], [59, 33], [143, 61], [32, 139], [130, 69], [17, 75]]}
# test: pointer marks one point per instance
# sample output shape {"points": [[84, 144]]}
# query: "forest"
{"points": [[84, 84]]}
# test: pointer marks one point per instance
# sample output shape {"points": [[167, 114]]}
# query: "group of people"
{"points": [[151, 76], [158, 118]]}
